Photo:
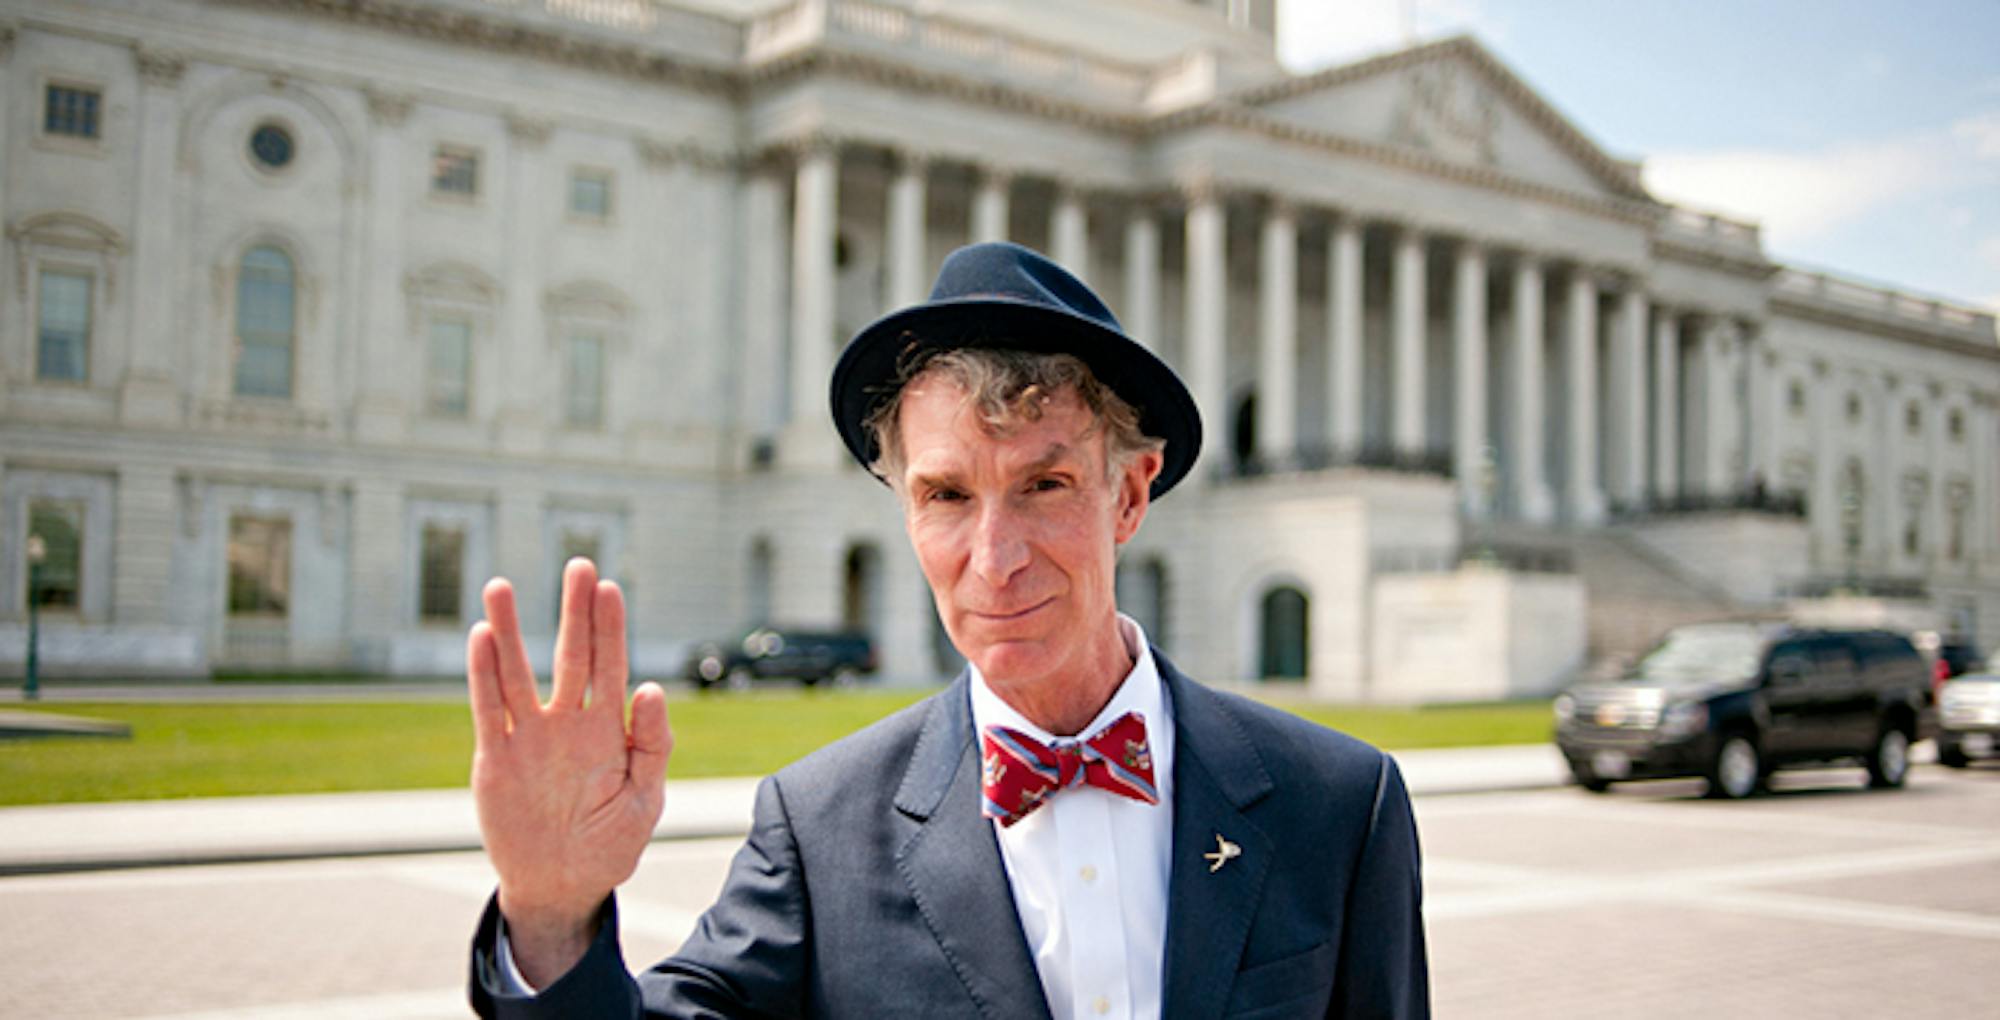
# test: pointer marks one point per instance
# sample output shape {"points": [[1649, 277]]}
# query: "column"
{"points": [[989, 205], [1629, 383], [1985, 524], [1666, 407], [1823, 504], [148, 393], [528, 367], [1534, 502], [384, 395], [1207, 318], [142, 550], [1468, 343], [1938, 512], [1277, 349], [762, 404], [815, 191], [1343, 332], [906, 232], [1586, 499], [1759, 415], [1141, 311], [1884, 487], [1069, 231], [1718, 352], [1407, 308]]}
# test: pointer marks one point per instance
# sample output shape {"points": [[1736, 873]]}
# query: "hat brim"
{"points": [[868, 369]]}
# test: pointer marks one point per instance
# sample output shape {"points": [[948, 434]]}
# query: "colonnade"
{"points": [[1588, 415]]}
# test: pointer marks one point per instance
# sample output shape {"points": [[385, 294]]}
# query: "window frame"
{"points": [[602, 175], [82, 145], [237, 346], [42, 268], [436, 190], [290, 551], [572, 335], [425, 589], [431, 407]]}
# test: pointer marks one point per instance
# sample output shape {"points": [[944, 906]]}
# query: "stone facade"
{"points": [[566, 276]]}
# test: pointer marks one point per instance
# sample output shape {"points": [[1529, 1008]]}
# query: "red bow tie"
{"points": [[1021, 772]]}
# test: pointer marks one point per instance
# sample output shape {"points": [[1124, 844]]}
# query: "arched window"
{"points": [[1282, 634], [265, 299]]}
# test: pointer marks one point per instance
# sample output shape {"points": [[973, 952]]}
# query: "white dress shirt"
{"points": [[1089, 868]]}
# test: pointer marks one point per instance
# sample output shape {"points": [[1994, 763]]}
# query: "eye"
{"points": [[1049, 484], [944, 496]]}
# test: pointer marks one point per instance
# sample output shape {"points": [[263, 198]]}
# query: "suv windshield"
{"points": [[1725, 652]]}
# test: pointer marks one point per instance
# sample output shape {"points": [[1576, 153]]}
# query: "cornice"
{"points": [[1753, 268], [1785, 304], [941, 84]]}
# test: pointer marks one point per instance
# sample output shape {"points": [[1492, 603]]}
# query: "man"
{"points": [[1073, 829]]}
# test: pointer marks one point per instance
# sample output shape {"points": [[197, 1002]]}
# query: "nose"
{"points": [[999, 547]]}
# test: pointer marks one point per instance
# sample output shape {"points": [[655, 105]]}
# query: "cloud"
{"points": [[1799, 196], [1319, 33], [1982, 132]]}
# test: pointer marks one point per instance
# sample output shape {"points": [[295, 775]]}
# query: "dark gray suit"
{"points": [[871, 887]]}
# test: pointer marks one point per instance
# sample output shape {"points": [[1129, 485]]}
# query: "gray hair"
{"points": [[1007, 388]]}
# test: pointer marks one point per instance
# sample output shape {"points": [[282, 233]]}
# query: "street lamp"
{"points": [[37, 552]]}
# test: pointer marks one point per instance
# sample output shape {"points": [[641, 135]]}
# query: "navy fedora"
{"points": [[1003, 295]]}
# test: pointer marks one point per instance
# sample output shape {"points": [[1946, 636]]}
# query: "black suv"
{"points": [[808, 655], [1733, 701]]}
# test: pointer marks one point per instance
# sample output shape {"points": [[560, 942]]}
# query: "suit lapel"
{"points": [[1217, 774], [952, 865]]}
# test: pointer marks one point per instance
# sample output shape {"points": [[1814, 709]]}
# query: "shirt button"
{"points": [[1089, 874], [1102, 1005]]}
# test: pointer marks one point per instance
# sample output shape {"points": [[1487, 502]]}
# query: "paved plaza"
{"points": [[1823, 899]]}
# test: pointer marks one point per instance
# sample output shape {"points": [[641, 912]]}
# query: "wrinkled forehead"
{"points": [[941, 419]]}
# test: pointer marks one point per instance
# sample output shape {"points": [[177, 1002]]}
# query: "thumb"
{"points": [[652, 740]]}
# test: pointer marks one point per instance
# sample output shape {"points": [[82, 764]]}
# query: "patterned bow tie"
{"points": [[1021, 772]]}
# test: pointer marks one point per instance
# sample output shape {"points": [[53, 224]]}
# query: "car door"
{"points": [[1788, 700], [1840, 705]]}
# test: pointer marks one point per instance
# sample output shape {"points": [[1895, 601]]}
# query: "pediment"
{"points": [[1454, 101]]}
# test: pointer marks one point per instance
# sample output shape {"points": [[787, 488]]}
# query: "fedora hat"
{"points": [[1003, 295]]}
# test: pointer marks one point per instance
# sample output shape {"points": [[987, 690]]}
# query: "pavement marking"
{"points": [[437, 1004]]}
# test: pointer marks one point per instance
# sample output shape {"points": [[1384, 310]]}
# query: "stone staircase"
{"points": [[1635, 594]]}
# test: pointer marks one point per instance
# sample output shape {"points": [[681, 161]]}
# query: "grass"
{"points": [[229, 749]]}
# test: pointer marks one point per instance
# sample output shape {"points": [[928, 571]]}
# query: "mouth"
{"points": [[1009, 617]]}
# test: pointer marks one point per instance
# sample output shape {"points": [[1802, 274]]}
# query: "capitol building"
{"points": [[318, 313]]}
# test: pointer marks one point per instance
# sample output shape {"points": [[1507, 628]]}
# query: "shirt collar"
{"points": [[1141, 692]]}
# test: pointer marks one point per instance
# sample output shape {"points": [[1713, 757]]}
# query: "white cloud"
{"points": [[1318, 33], [1982, 132], [1801, 196]]}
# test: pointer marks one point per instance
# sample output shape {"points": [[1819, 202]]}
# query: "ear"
{"points": [[1135, 486]]}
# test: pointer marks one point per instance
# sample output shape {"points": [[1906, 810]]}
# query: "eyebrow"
{"points": [[1054, 455]]}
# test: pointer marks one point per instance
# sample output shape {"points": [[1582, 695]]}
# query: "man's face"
{"points": [[1017, 533]]}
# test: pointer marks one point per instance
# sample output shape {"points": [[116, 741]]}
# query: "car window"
{"points": [[1714, 652], [1833, 661]]}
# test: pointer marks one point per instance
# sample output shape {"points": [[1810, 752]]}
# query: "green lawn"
{"points": [[208, 750]]}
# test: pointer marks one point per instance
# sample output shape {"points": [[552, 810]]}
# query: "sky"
{"points": [[1862, 135]]}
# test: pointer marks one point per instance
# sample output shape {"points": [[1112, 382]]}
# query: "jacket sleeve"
{"points": [[748, 956], [1383, 970]]}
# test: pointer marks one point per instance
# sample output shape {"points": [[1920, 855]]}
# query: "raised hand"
{"points": [[568, 795]]}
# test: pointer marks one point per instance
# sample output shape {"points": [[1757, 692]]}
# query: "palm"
{"points": [[567, 795]]}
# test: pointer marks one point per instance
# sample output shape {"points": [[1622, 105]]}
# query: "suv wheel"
{"points": [[1889, 762], [1952, 756], [1588, 779], [1737, 768]]}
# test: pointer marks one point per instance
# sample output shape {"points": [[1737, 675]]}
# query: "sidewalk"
{"points": [[89, 837]]}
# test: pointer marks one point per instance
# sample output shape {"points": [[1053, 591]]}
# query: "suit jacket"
{"points": [[870, 886]]}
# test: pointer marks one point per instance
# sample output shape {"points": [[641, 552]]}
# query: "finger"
{"points": [[517, 677], [482, 679], [608, 670], [652, 740], [574, 634]]}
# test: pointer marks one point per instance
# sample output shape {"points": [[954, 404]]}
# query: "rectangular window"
{"points": [[63, 351], [442, 574], [449, 386], [265, 298], [590, 194], [455, 172], [57, 581], [583, 401], [569, 546], [71, 111], [260, 566]]}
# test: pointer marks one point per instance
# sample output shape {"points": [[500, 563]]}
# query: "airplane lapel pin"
{"points": [[1224, 852]]}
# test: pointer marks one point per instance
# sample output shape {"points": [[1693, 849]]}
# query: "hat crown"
{"points": [[1002, 270]]}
